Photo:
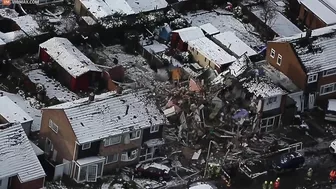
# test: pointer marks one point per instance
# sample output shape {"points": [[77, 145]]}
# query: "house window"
{"points": [[112, 140], [328, 88], [271, 100], [279, 60], [112, 158], [154, 129], [86, 146], [135, 134], [329, 72], [53, 126], [312, 78], [129, 156], [272, 53]]}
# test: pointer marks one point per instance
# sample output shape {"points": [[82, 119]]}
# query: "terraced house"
{"points": [[98, 134], [309, 60]]}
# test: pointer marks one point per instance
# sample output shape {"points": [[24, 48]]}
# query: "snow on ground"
{"points": [[53, 88], [224, 21], [28, 106]]}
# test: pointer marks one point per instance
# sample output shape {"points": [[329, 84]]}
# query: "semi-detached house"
{"points": [[309, 60], [99, 134]]}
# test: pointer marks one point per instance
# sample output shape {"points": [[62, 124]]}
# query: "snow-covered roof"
{"points": [[190, 33], [236, 45], [156, 47], [110, 115], [201, 185], [157, 166], [2, 42], [36, 149], [262, 87], [104, 8], [12, 112], [17, 156], [91, 159], [324, 9], [209, 29], [211, 51], [28, 25], [238, 67], [315, 33], [320, 56], [68, 56], [146, 5], [331, 105], [279, 24]]}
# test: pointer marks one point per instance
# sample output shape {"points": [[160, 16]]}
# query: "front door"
{"points": [[92, 173], [311, 101]]}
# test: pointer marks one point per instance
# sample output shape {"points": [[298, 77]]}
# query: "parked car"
{"points": [[330, 112], [153, 170], [202, 185], [289, 161]]}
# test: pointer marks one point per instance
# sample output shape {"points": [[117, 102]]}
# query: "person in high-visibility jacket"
{"points": [[264, 186], [270, 186], [277, 183], [309, 174]]}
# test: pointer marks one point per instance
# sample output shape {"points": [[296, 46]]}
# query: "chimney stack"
{"points": [[91, 97], [308, 33]]}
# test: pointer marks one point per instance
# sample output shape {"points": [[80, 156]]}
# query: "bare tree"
{"points": [[268, 13]]}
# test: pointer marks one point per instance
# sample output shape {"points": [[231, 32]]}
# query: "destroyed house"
{"points": [[19, 167], [258, 94], [103, 8], [318, 13], [14, 114], [309, 60], [71, 67], [181, 37], [206, 53], [101, 133]]}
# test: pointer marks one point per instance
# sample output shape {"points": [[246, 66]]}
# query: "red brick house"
{"points": [[19, 167], [317, 13], [101, 133], [309, 60], [73, 68], [181, 37]]}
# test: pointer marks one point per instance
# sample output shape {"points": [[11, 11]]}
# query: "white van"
{"points": [[330, 113]]}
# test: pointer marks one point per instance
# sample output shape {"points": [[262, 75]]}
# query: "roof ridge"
{"points": [[326, 4]]}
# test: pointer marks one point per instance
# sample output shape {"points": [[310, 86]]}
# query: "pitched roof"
{"points": [[146, 5], [324, 9], [12, 112], [17, 156], [232, 42], [318, 53], [68, 56], [110, 115], [190, 33], [211, 51]]}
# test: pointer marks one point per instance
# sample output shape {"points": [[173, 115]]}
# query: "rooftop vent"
{"points": [[91, 97]]}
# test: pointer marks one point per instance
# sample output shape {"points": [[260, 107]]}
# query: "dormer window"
{"points": [[86, 146], [312, 78]]}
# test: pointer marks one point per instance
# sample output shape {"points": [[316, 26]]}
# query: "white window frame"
{"points": [[107, 141], [86, 146], [53, 126], [272, 53], [137, 135], [279, 58], [125, 157], [312, 78], [154, 128], [329, 72], [271, 100], [332, 85], [109, 162]]}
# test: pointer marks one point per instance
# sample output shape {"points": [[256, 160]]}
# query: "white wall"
{"points": [[270, 105], [4, 183]]}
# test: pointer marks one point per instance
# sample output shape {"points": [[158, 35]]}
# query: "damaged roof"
{"points": [[68, 56], [209, 29], [211, 51], [12, 112], [110, 114], [233, 43], [262, 86], [146, 5], [324, 9], [190, 33], [318, 52], [17, 156]]}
